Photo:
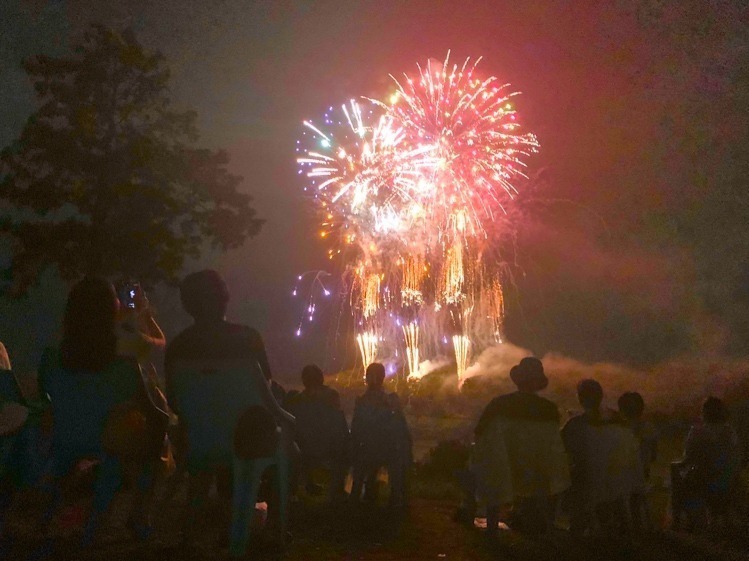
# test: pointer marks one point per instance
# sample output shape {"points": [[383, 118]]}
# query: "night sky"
{"points": [[608, 87]]}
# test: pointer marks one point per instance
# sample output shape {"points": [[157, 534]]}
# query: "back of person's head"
{"points": [[204, 295], [312, 376], [589, 394], [89, 341], [631, 405], [714, 410], [528, 375], [375, 375]]}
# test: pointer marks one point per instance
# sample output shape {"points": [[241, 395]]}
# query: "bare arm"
{"points": [[150, 330]]}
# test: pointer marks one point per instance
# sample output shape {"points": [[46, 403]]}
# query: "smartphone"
{"points": [[128, 293]]}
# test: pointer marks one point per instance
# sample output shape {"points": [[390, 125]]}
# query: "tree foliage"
{"points": [[105, 177]]}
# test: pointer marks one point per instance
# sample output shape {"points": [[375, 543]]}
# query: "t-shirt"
{"points": [[81, 400], [379, 430], [321, 429], [518, 405]]}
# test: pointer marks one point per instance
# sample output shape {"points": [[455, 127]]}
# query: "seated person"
{"points": [[518, 459], [380, 438], [95, 396], [321, 430], [604, 459], [704, 479], [205, 297]]}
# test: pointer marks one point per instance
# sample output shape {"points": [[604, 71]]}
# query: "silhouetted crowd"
{"points": [[219, 422], [595, 470]]}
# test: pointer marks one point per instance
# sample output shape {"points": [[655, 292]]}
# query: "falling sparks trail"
{"points": [[415, 195]]}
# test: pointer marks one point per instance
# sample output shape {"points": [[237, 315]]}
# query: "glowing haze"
{"points": [[414, 193]]}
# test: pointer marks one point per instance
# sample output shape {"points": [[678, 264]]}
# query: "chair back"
{"points": [[613, 463], [537, 458], [320, 429], [9, 390], [81, 403], [210, 396]]}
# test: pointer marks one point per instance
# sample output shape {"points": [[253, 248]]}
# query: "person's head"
{"points": [[312, 377], [714, 410], [631, 405], [375, 375], [528, 375], [204, 295], [89, 341], [589, 394]]}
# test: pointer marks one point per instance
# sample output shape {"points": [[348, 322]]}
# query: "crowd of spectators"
{"points": [[220, 421]]}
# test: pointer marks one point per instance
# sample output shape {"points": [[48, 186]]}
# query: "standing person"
{"points": [[518, 459], [380, 438], [631, 409], [604, 460], [321, 431], [214, 342], [703, 480]]}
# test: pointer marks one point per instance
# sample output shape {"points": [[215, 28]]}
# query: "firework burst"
{"points": [[414, 195]]}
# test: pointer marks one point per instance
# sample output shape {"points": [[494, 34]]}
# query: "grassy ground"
{"points": [[425, 532]]}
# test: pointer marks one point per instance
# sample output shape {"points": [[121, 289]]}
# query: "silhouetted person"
{"points": [[380, 438], [97, 398], [518, 458], [321, 431], [631, 409], [213, 340], [604, 466], [704, 479]]}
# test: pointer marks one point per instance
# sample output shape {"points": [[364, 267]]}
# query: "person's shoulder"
{"points": [[499, 404], [240, 330], [547, 410], [574, 422], [332, 395], [183, 339], [393, 400], [504, 398]]}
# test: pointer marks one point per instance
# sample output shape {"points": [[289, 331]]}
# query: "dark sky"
{"points": [[596, 277]]}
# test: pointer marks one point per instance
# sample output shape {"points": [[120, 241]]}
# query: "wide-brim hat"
{"points": [[528, 375], [13, 417]]}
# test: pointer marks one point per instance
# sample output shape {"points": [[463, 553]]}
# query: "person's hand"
{"points": [[142, 305]]}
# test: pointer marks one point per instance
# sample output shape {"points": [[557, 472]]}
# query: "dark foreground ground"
{"points": [[425, 532]]}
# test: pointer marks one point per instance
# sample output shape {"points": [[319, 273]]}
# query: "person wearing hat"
{"points": [[518, 459]]}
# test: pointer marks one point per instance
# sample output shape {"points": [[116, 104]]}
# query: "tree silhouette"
{"points": [[105, 177]]}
